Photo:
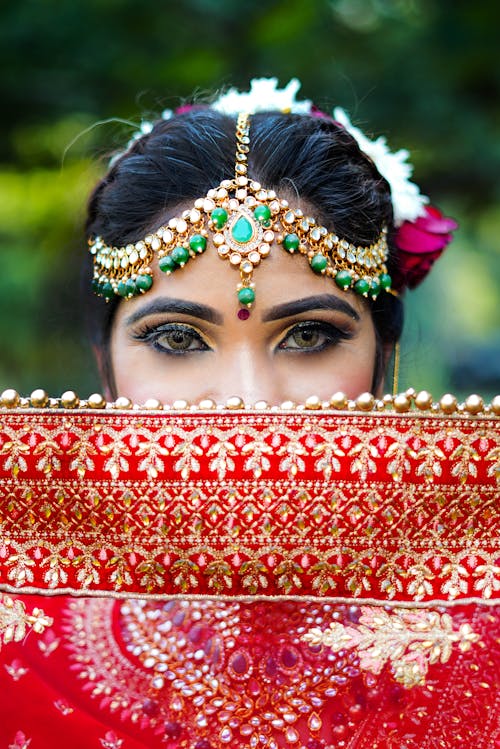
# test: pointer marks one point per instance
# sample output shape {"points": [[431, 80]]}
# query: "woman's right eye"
{"points": [[173, 338]]}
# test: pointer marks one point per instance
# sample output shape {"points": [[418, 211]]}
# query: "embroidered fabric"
{"points": [[303, 580], [398, 508], [203, 674]]}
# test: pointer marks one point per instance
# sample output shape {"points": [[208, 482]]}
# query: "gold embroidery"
{"points": [[409, 641], [380, 506], [15, 621]]}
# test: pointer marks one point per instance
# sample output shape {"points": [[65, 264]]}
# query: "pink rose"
{"points": [[420, 243]]}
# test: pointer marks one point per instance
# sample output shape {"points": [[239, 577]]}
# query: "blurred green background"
{"points": [[423, 73]]}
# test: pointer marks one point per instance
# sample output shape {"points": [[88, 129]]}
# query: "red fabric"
{"points": [[302, 504], [53, 706], [378, 534]]}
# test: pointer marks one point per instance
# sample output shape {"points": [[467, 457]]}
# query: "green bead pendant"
{"points": [[180, 255], [144, 282], [167, 264], [246, 296], [291, 242], [262, 214], [319, 263], [122, 289], [375, 288], [343, 279], [107, 290], [385, 281], [198, 243], [219, 217], [362, 287], [131, 287]]}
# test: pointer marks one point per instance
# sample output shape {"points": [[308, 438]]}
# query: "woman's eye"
{"points": [[173, 339], [311, 336]]}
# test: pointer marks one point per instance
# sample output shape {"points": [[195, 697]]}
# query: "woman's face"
{"points": [[183, 339]]}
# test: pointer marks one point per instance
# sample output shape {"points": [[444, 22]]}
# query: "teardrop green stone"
{"points": [[242, 231]]}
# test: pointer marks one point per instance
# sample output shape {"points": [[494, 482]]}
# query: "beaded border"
{"points": [[408, 401]]}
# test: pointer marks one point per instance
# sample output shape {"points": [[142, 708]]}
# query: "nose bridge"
{"points": [[248, 373]]}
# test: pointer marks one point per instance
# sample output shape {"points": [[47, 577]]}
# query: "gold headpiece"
{"points": [[242, 219]]}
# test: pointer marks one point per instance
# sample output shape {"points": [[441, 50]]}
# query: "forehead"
{"points": [[279, 278]]}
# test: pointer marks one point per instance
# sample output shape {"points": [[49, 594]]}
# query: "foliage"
{"points": [[424, 73]]}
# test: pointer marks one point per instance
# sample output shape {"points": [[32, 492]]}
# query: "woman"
{"points": [[247, 317]]}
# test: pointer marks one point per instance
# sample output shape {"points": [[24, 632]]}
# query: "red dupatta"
{"points": [[376, 507], [352, 557]]}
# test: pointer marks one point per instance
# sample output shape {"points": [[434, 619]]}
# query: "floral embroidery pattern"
{"points": [[215, 673], [15, 621], [377, 506], [410, 641]]}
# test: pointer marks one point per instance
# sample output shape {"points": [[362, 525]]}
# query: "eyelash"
{"points": [[152, 334], [332, 333]]}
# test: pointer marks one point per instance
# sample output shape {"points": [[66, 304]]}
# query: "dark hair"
{"points": [[185, 156]]}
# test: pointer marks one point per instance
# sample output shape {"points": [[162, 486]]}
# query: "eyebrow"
{"points": [[169, 305], [310, 303]]}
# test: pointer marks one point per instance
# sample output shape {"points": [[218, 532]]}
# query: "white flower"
{"points": [[407, 200], [264, 96]]}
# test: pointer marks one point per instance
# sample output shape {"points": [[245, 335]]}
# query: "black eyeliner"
{"points": [[150, 334], [333, 333]]}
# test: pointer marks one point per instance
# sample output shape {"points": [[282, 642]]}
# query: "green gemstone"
{"points": [[131, 287], [198, 243], [180, 255], [343, 279], [122, 289], [242, 231], [144, 282], [246, 296], [318, 263], [385, 281], [219, 217], [291, 242], [375, 288], [166, 264], [262, 213], [107, 290], [362, 287]]}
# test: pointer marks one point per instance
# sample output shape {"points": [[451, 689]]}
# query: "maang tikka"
{"points": [[242, 220]]}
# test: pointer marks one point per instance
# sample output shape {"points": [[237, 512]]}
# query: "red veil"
{"points": [[249, 578]]}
